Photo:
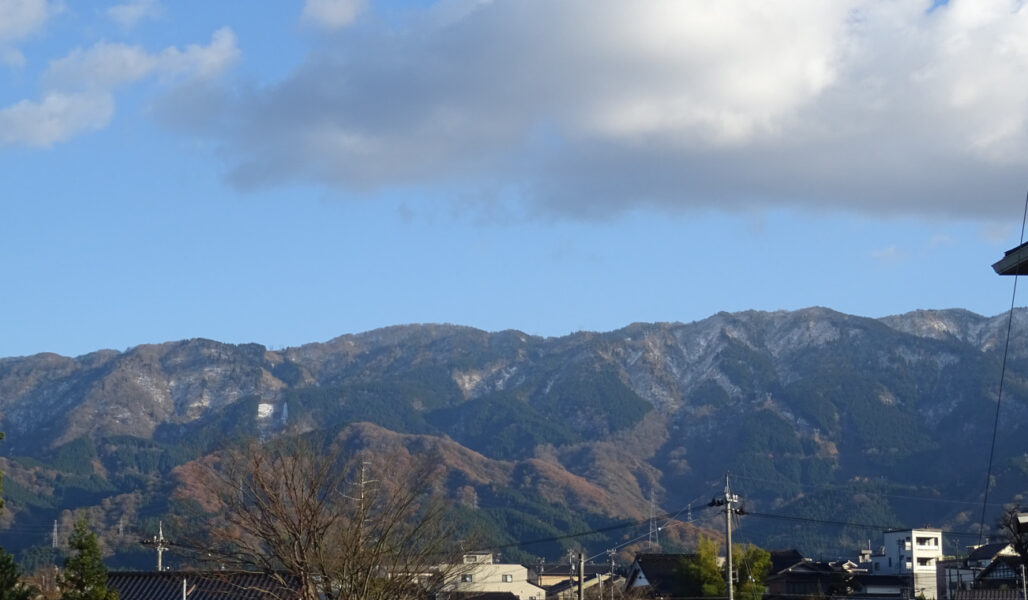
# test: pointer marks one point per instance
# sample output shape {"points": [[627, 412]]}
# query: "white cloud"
{"points": [[80, 86], [202, 61], [588, 107], [998, 233], [721, 72], [18, 20], [332, 14], [940, 240], [131, 13], [21, 18], [887, 254], [56, 118], [12, 57], [106, 65]]}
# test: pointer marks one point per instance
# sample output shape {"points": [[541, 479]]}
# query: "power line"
{"points": [[999, 394], [874, 526], [861, 488]]}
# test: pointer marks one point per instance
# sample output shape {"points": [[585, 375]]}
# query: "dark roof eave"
{"points": [[1014, 261]]}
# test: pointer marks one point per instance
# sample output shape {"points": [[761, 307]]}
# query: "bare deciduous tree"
{"points": [[1011, 526], [339, 527]]}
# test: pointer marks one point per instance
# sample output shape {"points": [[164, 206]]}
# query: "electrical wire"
{"points": [[999, 394], [810, 520], [873, 526], [672, 521], [857, 487]]}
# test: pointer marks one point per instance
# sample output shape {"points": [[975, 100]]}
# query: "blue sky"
{"points": [[287, 172]]}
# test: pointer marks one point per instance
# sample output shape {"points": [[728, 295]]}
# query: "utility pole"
{"points": [[611, 553], [581, 576], [653, 540], [159, 543], [728, 500]]}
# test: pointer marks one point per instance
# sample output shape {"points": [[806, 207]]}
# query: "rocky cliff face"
{"points": [[794, 404]]}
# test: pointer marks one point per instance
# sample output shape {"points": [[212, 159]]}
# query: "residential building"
{"points": [[659, 575], [792, 576], [960, 574], [480, 574], [880, 587], [1003, 573], [546, 575], [912, 554]]}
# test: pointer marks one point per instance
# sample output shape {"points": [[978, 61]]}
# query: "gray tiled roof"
{"points": [[199, 585]]}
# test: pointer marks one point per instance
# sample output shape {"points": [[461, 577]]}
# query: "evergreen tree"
{"points": [[752, 564], [700, 572], [85, 576], [2, 434], [703, 577], [11, 586]]}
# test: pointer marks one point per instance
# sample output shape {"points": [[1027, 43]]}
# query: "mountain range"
{"points": [[831, 427]]}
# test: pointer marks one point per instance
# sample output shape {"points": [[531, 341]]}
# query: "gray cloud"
{"points": [[589, 108]]}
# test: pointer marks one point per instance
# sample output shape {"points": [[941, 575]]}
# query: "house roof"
{"points": [[1001, 568], [564, 569], [988, 551], [660, 571], [980, 594], [808, 569], [864, 580], [783, 559], [1014, 261], [479, 595], [199, 585], [570, 584]]}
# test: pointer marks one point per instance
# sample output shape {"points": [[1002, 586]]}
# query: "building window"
{"points": [[465, 578], [508, 579]]}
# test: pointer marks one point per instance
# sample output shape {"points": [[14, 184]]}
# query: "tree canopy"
{"points": [[333, 524], [85, 576], [704, 577], [1015, 532]]}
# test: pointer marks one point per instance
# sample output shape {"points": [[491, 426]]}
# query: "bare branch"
{"points": [[338, 525]]}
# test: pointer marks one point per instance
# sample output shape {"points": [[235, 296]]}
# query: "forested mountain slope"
{"points": [[816, 414]]}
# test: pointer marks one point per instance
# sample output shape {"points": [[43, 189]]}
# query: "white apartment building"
{"points": [[480, 574], [912, 553]]}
